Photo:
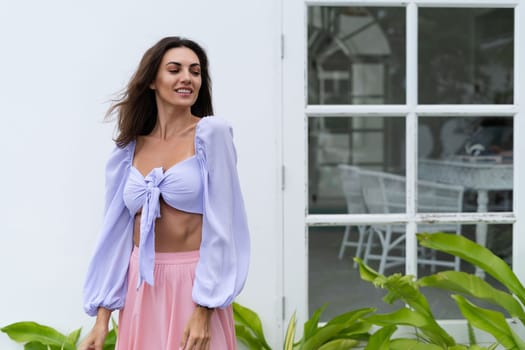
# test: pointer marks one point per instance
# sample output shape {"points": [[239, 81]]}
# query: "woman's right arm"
{"points": [[106, 279], [96, 337]]}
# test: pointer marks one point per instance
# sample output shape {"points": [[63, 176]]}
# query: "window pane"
{"points": [[332, 277], [356, 55], [336, 145], [466, 55], [498, 240], [465, 164]]}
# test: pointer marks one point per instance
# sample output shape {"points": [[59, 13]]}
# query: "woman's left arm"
{"points": [[225, 246]]}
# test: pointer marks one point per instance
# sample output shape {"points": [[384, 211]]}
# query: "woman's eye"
{"points": [[196, 73], [174, 71]]}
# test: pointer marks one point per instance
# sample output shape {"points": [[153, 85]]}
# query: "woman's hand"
{"points": [[95, 339], [196, 334]]}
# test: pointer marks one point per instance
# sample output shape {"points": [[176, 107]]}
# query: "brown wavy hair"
{"points": [[136, 108]]}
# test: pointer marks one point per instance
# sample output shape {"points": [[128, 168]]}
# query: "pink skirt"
{"points": [[153, 318]]}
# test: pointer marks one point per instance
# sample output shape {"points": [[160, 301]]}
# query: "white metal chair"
{"points": [[385, 193], [425, 141], [355, 204]]}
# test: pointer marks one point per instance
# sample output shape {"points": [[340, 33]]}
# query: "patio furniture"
{"points": [[482, 174], [385, 193], [355, 204]]}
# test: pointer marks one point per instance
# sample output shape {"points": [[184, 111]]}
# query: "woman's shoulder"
{"points": [[212, 127], [214, 123], [121, 155], [123, 150]]}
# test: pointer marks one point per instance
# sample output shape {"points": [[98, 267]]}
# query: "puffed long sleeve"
{"points": [[225, 246], [106, 281]]}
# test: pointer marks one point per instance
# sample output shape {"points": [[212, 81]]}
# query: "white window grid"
{"points": [[411, 111]]}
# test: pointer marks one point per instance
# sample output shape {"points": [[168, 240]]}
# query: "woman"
{"points": [[174, 247]]}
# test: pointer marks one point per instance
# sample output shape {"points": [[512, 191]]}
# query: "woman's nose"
{"points": [[185, 76]]}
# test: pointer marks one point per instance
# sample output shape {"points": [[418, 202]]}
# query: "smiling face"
{"points": [[178, 79]]}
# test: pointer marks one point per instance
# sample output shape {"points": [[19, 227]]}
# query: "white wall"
{"points": [[60, 63]]}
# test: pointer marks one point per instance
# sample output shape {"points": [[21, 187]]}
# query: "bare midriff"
{"points": [[175, 230]]}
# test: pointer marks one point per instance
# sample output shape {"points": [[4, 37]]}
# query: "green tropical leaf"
{"points": [[340, 344], [111, 340], [469, 284], [324, 335], [311, 326], [490, 321], [245, 336], [111, 337], [35, 346], [405, 288], [357, 330], [471, 347], [360, 330], [345, 326], [413, 344], [408, 317], [351, 316], [24, 332], [245, 316], [74, 336], [367, 273], [399, 287], [115, 326], [477, 255], [380, 340], [471, 335], [290, 334], [108, 346]]}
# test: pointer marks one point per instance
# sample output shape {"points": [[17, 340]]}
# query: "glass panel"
{"points": [[466, 55], [465, 164], [356, 55], [336, 145], [498, 240], [333, 279]]}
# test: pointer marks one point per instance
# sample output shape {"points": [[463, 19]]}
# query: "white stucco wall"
{"points": [[60, 63]]}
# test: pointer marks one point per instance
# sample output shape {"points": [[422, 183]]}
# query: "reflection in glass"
{"points": [[356, 55], [499, 241], [466, 55], [474, 153], [336, 282], [373, 143]]}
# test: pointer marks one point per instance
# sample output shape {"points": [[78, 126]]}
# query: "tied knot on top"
{"points": [[150, 212], [153, 181]]}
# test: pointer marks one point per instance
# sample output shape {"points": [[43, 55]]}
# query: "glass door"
{"points": [[398, 118]]}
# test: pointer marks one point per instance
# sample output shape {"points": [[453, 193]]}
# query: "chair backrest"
{"points": [[434, 197], [385, 193], [439, 198], [425, 141], [351, 182]]}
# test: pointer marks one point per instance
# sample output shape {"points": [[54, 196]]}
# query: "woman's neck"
{"points": [[172, 121]]}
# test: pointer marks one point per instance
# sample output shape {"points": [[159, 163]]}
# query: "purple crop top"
{"points": [[207, 184], [180, 186]]}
